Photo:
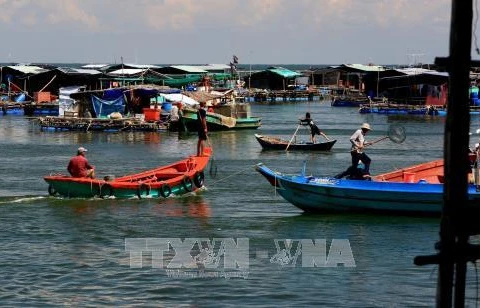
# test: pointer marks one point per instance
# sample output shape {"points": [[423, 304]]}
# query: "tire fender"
{"points": [[165, 190], [143, 188], [51, 190], [106, 190], [187, 184], [199, 179]]}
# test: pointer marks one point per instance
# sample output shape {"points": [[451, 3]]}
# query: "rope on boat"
{"points": [[229, 176]]}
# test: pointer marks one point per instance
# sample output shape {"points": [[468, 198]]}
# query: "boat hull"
{"points": [[178, 178], [405, 109], [323, 194], [218, 122], [348, 102], [273, 143]]}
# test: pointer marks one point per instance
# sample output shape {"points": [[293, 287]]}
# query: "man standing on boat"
{"points": [[78, 167], [358, 143], [202, 128], [314, 130]]}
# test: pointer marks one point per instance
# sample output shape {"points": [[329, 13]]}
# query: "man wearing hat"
{"points": [[78, 167], [358, 143]]}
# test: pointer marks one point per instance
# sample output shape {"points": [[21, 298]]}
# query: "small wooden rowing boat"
{"points": [[178, 178], [274, 143]]}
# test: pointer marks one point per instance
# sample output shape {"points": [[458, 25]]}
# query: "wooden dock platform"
{"points": [[94, 124]]}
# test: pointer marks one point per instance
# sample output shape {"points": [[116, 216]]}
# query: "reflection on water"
{"points": [[191, 206], [74, 248]]}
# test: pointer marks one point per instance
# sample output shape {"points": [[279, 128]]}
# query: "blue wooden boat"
{"points": [[398, 109], [416, 190]]}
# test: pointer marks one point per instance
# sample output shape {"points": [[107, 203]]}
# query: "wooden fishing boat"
{"points": [[415, 190], [178, 178], [225, 117], [274, 143]]}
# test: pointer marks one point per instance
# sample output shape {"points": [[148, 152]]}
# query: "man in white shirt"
{"points": [[358, 143]]}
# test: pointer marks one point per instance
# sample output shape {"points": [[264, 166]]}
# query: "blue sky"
{"points": [[211, 31]]}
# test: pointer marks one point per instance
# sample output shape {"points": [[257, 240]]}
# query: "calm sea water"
{"points": [[72, 251]]}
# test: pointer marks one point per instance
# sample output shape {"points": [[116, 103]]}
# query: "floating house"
{"points": [[273, 78], [345, 76], [414, 86]]}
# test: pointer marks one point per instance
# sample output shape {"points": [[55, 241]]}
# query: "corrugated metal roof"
{"points": [[286, 73], [189, 68], [72, 70], [366, 68], [141, 65], [95, 65], [87, 71], [417, 71], [28, 69], [214, 67], [127, 71]]}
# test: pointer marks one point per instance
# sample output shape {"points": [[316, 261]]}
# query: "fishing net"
{"points": [[397, 133], [213, 169]]}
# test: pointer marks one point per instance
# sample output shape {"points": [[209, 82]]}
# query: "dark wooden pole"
{"points": [[456, 157]]}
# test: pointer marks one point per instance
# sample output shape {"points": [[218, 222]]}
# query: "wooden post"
{"points": [[456, 158]]}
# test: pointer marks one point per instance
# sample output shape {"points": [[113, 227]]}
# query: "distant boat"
{"points": [[274, 143], [344, 97], [225, 117], [177, 178], [349, 101], [416, 190], [392, 108]]}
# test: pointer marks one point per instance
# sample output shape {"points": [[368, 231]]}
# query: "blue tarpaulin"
{"points": [[103, 108], [112, 94]]}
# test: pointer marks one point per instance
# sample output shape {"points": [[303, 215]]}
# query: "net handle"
{"points": [[377, 140]]}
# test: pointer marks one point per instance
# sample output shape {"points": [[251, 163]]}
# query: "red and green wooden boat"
{"points": [[178, 178]]}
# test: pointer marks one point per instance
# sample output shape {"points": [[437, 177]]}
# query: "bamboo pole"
{"points": [[456, 159]]}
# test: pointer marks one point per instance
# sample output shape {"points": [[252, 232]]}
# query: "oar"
{"points": [[290, 142]]}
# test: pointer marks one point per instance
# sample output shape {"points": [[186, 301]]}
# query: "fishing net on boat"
{"points": [[229, 122], [397, 133], [213, 164]]}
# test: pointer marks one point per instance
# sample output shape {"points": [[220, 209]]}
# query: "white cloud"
{"points": [[305, 29]]}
